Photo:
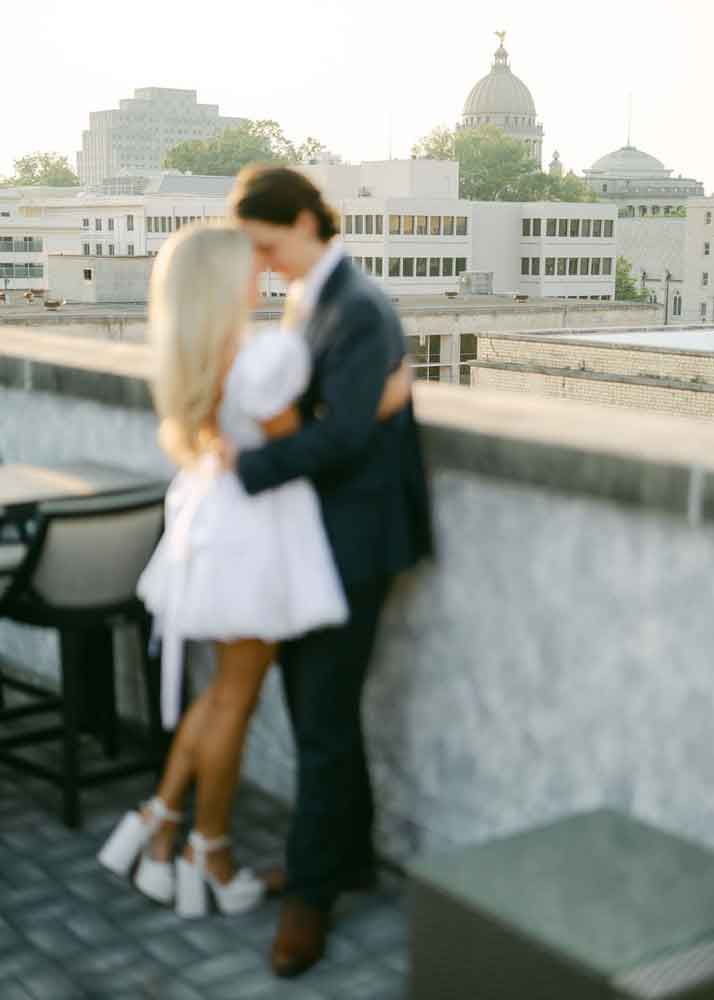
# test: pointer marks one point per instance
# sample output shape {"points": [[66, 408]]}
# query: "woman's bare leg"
{"points": [[233, 695]]}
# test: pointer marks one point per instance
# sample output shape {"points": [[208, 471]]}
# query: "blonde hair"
{"points": [[197, 306]]}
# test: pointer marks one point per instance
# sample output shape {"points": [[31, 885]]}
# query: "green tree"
{"points": [[495, 167], [48, 169], [309, 151], [252, 142], [626, 289]]}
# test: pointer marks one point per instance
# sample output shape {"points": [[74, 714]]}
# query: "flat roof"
{"points": [[671, 338]]}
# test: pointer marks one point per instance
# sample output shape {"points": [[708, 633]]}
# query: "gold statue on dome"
{"points": [[500, 35]]}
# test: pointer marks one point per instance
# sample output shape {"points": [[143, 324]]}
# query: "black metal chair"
{"points": [[73, 566]]}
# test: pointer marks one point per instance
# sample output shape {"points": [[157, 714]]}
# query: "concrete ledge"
{"points": [[588, 375], [653, 460]]}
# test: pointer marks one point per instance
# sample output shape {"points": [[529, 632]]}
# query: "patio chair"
{"points": [[74, 568]]}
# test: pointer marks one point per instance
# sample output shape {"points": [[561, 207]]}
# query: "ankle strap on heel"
{"points": [[202, 846], [160, 813]]}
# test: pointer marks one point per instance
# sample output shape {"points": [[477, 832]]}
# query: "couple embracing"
{"points": [[300, 497]]}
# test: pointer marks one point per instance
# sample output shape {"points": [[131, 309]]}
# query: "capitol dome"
{"points": [[501, 92], [629, 162], [502, 99]]}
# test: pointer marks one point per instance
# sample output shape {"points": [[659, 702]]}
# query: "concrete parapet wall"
{"points": [[556, 657]]}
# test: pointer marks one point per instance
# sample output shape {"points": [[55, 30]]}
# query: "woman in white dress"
{"points": [[244, 571]]}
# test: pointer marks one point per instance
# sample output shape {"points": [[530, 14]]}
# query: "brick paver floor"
{"points": [[70, 930]]}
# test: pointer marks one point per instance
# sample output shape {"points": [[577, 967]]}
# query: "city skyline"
{"points": [[372, 81]]}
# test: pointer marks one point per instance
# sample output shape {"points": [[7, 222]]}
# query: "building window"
{"points": [[88, 274], [369, 263], [609, 229], [586, 227], [98, 250], [702, 311], [163, 223], [705, 278], [98, 225], [395, 225], [408, 225], [359, 225], [348, 225], [130, 223], [677, 304], [462, 227], [85, 223], [448, 225], [575, 228], [585, 265], [435, 225], [607, 265], [551, 227], [447, 267], [130, 250], [369, 225], [535, 265], [421, 267], [708, 219], [562, 265], [435, 267], [526, 227], [597, 228], [550, 267], [378, 264], [537, 227], [422, 225], [111, 249], [177, 223], [562, 227], [357, 261], [595, 266], [707, 249], [460, 265], [573, 266], [110, 225], [379, 222], [395, 267], [408, 267], [149, 224], [525, 265], [86, 249]]}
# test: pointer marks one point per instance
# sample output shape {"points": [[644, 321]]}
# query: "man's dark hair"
{"points": [[277, 195]]}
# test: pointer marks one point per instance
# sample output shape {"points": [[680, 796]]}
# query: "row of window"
{"points": [[98, 224], [406, 225], [111, 250], [168, 223], [575, 228], [412, 267], [705, 278], [22, 271], [28, 244], [572, 266]]}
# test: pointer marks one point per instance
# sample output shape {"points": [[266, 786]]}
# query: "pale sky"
{"points": [[356, 72]]}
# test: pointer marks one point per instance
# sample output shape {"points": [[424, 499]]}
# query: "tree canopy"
{"points": [[49, 169], [495, 167], [626, 287], [251, 142]]}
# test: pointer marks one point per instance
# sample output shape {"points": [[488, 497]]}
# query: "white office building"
{"points": [[133, 140], [699, 262]]}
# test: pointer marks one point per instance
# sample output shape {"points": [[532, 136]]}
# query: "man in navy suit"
{"points": [[370, 480]]}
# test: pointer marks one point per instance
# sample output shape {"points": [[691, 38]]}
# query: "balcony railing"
{"points": [[21, 246]]}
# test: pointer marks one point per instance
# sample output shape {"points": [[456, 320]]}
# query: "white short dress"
{"points": [[231, 565]]}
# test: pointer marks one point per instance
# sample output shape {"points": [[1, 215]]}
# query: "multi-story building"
{"points": [[133, 140], [402, 222], [699, 262]]}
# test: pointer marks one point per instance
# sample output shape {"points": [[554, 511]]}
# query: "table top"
{"points": [[25, 485]]}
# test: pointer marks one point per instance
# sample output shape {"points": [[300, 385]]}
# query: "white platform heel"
{"points": [[193, 883], [129, 840]]}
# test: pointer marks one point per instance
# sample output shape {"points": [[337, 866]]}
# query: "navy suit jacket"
{"points": [[369, 474]]}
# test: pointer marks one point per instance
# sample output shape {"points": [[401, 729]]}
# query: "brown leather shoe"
{"points": [[301, 937]]}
